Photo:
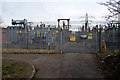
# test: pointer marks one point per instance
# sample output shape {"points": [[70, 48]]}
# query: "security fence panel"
{"points": [[79, 42], [67, 37]]}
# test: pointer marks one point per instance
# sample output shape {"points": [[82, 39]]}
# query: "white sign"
{"points": [[83, 36], [89, 37]]}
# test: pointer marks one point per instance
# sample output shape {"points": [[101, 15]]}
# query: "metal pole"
{"points": [[27, 37], [59, 35], [96, 38], [68, 24], [61, 40], [100, 40]]}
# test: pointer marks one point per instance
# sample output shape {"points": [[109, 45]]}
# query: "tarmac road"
{"points": [[72, 65], [75, 62]]}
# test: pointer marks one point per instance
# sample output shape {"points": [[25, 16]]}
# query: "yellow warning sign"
{"points": [[56, 31], [90, 36], [102, 31], [17, 32], [20, 31], [38, 32], [72, 38]]}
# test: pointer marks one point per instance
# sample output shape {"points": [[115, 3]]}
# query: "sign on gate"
{"points": [[83, 36], [90, 36], [72, 38]]}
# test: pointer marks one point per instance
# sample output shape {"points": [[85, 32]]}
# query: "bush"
{"points": [[110, 63]]}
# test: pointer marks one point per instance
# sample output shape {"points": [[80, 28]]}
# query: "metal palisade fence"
{"points": [[76, 38]]}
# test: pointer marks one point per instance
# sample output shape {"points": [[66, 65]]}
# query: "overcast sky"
{"points": [[51, 10]]}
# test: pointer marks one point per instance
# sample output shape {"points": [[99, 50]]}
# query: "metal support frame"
{"points": [[61, 34]]}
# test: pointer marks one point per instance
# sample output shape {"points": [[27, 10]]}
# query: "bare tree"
{"points": [[113, 7]]}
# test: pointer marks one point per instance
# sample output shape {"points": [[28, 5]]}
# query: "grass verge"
{"points": [[16, 70]]}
